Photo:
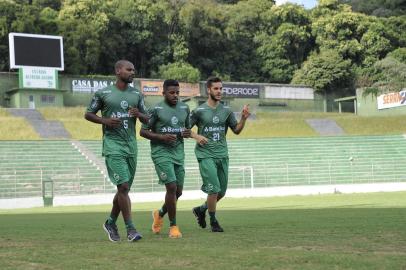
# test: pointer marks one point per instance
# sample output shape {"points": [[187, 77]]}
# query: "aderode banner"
{"points": [[241, 90]]}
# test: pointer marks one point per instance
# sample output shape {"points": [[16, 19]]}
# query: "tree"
{"points": [[383, 8], [83, 24], [326, 71], [285, 43], [179, 71], [202, 25]]}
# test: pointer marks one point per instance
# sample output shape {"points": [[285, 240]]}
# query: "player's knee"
{"points": [[123, 188], [171, 188]]}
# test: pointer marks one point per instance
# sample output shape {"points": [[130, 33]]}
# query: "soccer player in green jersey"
{"points": [[213, 120], [120, 106], [167, 126]]}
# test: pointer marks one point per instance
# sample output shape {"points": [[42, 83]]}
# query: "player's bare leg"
{"points": [[124, 203], [170, 202]]}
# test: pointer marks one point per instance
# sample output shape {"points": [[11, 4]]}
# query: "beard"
{"points": [[213, 97]]}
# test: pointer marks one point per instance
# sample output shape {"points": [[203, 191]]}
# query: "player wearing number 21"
{"points": [[213, 119], [120, 106]]}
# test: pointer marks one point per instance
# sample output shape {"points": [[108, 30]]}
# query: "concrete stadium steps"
{"points": [[290, 161], [25, 164], [253, 163]]}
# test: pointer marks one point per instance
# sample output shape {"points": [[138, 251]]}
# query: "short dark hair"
{"points": [[120, 63], [170, 82], [212, 80]]}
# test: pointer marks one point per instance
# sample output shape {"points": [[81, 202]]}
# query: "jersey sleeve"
{"points": [[141, 105], [152, 120], [231, 120], [193, 118], [187, 120], [95, 104]]}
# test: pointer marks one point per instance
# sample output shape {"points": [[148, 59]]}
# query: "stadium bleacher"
{"points": [[254, 163]]}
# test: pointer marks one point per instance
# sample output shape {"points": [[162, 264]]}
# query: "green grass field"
{"points": [[341, 231]]}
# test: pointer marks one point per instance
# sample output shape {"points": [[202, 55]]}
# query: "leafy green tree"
{"points": [[8, 11], [326, 71], [202, 25], [285, 43], [399, 54], [382, 8], [179, 71], [83, 24]]}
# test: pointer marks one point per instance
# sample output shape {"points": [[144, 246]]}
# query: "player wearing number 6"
{"points": [[213, 120], [120, 106]]}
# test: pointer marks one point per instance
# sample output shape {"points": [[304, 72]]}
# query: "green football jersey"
{"points": [[213, 124], [165, 119], [113, 102]]}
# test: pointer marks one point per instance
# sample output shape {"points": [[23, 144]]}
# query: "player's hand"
{"points": [[133, 112], [112, 122], [201, 140], [245, 112], [186, 133], [169, 138]]}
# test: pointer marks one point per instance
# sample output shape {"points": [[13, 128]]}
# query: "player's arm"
{"points": [[110, 122], [140, 112], [186, 132], [244, 116], [150, 135], [198, 138], [146, 130], [134, 112], [193, 120], [95, 105]]}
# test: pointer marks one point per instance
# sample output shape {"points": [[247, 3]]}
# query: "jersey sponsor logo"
{"points": [[183, 107], [214, 129], [116, 176], [124, 105], [174, 120], [106, 91], [171, 130], [216, 120], [120, 115]]}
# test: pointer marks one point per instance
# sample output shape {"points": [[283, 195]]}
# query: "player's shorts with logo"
{"points": [[214, 174], [169, 172], [121, 169]]}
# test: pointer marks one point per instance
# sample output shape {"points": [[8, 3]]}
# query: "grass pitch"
{"points": [[341, 231]]}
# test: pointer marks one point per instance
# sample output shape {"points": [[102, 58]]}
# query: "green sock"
{"points": [[212, 217], [129, 224], [203, 207], [172, 222], [163, 211], [111, 219]]}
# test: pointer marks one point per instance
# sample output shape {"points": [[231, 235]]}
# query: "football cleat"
{"points": [[157, 223], [215, 227], [200, 216], [133, 235], [112, 232], [174, 232]]}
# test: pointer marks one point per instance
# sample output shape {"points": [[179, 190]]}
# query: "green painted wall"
{"points": [[368, 106], [20, 98], [70, 98]]}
